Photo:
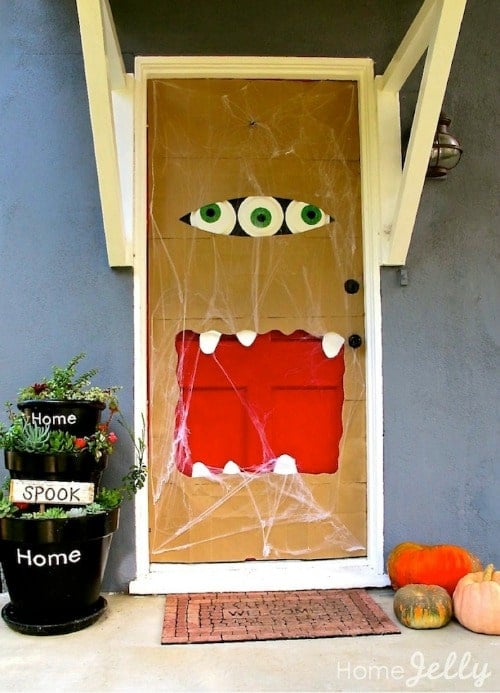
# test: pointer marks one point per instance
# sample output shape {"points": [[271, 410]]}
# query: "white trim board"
{"points": [[356, 572], [173, 578]]}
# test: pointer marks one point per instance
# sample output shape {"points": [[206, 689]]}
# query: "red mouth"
{"points": [[280, 398]]}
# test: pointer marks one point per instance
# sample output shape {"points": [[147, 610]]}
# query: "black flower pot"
{"points": [[78, 417], [53, 571], [62, 466]]}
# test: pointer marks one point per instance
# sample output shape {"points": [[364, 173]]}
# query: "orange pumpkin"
{"points": [[442, 564], [423, 606], [476, 601]]}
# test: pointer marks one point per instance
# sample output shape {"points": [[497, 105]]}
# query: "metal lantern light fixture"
{"points": [[446, 150]]}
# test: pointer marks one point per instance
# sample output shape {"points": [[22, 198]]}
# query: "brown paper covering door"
{"points": [[214, 140]]}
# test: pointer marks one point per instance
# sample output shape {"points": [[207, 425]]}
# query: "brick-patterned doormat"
{"points": [[237, 616]]}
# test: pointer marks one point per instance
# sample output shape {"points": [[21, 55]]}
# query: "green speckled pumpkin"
{"points": [[423, 606]]}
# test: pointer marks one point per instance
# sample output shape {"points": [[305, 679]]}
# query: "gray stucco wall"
{"points": [[441, 344], [58, 296], [441, 333]]}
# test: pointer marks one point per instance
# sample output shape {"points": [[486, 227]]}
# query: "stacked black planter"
{"points": [[53, 568]]}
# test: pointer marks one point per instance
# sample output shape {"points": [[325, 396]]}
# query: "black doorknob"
{"points": [[355, 341], [351, 286]]}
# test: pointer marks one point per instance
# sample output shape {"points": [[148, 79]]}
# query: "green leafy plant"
{"points": [[109, 498], [61, 441], [98, 443], [7, 509], [28, 437], [106, 499], [65, 384], [135, 478], [53, 512], [90, 509], [23, 436]]}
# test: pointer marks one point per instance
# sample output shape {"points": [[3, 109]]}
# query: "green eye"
{"points": [[257, 216], [311, 215], [210, 213], [260, 216], [217, 217], [301, 216]]}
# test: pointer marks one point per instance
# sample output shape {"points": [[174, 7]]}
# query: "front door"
{"points": [[256, 337]]}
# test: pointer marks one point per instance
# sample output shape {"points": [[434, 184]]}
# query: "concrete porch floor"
{"points": [[122, 652]]}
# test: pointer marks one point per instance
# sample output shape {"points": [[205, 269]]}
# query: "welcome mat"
{"points": [[238, 616]]}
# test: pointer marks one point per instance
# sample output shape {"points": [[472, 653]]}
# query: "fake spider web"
{"points": [[232, 475]]}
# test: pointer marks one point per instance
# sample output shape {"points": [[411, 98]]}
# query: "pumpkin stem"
{"points": [[488, 573]]}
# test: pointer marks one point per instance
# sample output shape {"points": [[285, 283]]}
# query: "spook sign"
{"points": [[51, 492]]}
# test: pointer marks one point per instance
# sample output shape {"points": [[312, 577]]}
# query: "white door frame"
{"points": [[154, 578]]}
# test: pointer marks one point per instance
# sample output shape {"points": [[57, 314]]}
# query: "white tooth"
{"points": [[231, 468], [209, 341], [201, 470], [332, 343], [246, 337], [285, 464]]}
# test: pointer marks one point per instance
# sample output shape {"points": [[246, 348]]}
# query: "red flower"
{"points": [[103, 427], [80, 443], [22, 506], [39, 388], [112, 438]]}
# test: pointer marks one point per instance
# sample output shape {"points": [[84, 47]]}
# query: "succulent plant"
{"points": [[66, 385]]}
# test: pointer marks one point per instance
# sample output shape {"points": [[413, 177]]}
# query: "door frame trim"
{"points": [[154, 578]]}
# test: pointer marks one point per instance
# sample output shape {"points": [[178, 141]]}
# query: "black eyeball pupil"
{"points": [[311, 214], [261, 217], [210, 212]]}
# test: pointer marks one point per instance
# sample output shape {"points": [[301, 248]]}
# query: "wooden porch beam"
{"points": [[411, 48], [438, 23], [116, 67], [110, 94]]}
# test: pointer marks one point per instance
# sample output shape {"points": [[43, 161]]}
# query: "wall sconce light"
{"points": [[446, 150]]}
